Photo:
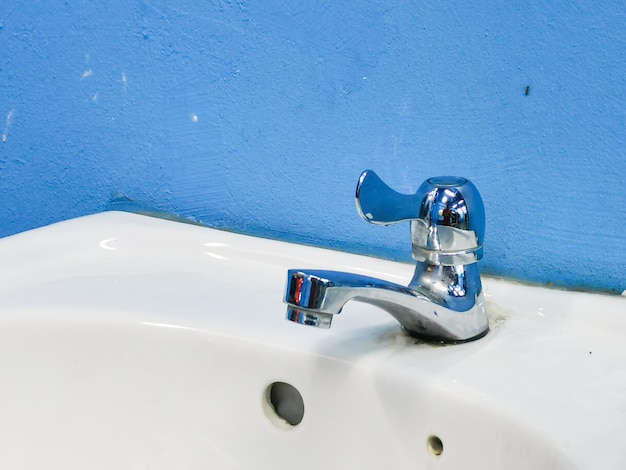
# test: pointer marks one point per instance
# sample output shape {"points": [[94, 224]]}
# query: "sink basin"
{"points": [[132, 342]]}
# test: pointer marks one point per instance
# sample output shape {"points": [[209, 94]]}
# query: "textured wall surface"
{"points": [[260, 116]]}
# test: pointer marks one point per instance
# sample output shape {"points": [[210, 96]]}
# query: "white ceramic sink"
{"points": [[133, 342]]}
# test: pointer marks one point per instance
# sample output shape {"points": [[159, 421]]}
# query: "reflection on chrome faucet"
{"points": [[444, 300]]}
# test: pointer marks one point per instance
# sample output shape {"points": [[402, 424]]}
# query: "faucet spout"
{"points": [[315, 296]]}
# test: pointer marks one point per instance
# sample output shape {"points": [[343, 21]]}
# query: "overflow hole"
{"points": [[435, 445], [286, 402]]}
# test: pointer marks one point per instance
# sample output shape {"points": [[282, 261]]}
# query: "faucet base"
{"points": [[432, 339]]}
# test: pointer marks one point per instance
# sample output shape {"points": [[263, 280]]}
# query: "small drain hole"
{"points": [[435, 445], [286, 402]]}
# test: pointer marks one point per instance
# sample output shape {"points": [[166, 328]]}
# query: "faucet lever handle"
{"points": [[378, 204], [446, 213]]}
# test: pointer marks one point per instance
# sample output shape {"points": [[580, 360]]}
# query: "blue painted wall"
{"points": [[259, 117]]}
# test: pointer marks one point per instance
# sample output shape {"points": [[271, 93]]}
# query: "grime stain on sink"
{"points": [[497, 315]]}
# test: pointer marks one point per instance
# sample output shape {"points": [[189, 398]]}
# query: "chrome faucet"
{"points": [[444, 300]]}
